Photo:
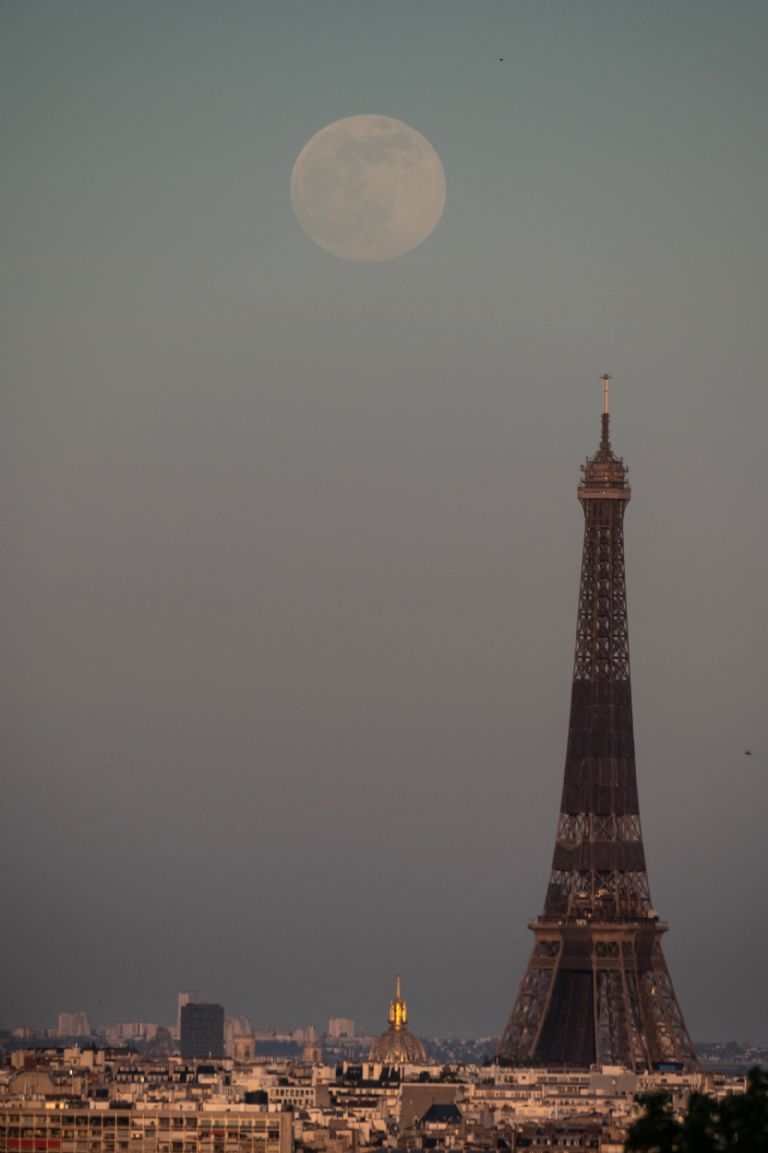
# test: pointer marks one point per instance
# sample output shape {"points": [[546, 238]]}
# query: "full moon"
{"points": [[368, 188]]}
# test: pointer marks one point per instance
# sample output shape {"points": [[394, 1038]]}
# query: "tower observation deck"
{"points": [[597, 989]]}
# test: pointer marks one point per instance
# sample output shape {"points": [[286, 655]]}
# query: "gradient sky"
{"points": [[292, 544]]}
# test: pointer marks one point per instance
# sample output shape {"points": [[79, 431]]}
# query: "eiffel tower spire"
{"points": [[597, 988]]}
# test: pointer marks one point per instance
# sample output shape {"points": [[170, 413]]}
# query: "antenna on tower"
{"points": [[605, 441]]}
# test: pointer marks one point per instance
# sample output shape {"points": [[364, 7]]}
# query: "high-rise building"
{"points": [[185, 997], [202, 1030], [74, 1025], [597, 989]]}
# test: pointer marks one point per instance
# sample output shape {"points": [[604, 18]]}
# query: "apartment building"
{"points": [[57, 1127]]}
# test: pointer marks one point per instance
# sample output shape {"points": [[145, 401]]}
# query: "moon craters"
{"points": [[368, 188]]}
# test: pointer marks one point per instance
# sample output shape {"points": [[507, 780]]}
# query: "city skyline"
{"points": [[291, 542]]}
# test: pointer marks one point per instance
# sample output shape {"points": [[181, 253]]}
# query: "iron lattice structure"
{"points": [[597, 989]]}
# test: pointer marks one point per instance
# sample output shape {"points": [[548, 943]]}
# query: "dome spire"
{"points": [[398, 1009]]}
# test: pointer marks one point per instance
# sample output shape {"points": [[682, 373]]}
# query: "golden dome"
{"points": [[397, 1046]]}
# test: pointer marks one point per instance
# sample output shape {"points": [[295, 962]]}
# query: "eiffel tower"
{"points": [[597, 989]]}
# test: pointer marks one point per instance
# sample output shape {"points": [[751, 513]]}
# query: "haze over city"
{"points": [[292, 543]]}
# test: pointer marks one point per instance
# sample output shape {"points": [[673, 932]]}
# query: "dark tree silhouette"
{"points": [[737, 1124], [699, 1129], [657, 1130], [743, 1122]]}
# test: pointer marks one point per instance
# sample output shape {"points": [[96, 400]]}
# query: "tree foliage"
{"points": [[737, 1124]]}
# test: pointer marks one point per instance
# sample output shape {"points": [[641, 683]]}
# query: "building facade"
{"points": [[52, 1127], [202, 1030]]}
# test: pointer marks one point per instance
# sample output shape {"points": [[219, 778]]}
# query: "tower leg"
{"points": [[596, 993]]}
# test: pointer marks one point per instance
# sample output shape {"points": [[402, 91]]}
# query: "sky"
{"points": [[292, 544]]}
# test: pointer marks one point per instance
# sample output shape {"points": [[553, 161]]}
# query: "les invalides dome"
{"points": [[397, 1046]]}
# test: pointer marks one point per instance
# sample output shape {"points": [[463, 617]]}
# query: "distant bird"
{"points": [[501, 60], [747, 752]]}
